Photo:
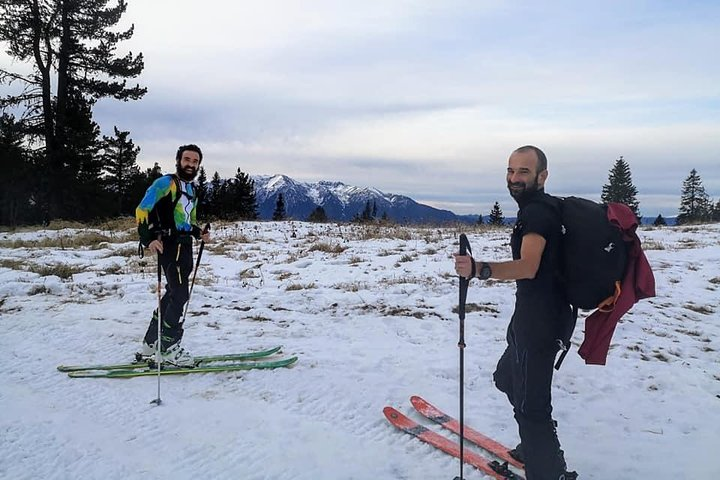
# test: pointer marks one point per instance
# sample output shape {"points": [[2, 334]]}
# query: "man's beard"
{"points": [[521, 191], [187, 174]]}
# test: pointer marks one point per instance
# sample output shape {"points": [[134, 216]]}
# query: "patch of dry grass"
{"points": [[11, 263], [703, 309], [479, 307], [406, 258], [62, 270], [652, 245], [405, 279], [92, 240], [351, 286], [327, 247], [300, 286]]}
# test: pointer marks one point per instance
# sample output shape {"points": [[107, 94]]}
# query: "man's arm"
{"points": [[159, 188], [525, 267]]}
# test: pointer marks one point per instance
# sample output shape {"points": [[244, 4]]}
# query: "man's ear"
{"points": [[542, 177]]}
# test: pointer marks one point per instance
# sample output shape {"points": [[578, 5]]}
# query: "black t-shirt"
{"points": [[540, 305]]}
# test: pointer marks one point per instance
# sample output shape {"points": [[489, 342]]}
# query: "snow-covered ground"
{"points": [[369, 313]]}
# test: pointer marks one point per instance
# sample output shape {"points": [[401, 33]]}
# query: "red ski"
{"points": [[445, 444], [482, 441]]}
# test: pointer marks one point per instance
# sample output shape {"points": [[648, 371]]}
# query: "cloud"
{"points": [[429, 98]]}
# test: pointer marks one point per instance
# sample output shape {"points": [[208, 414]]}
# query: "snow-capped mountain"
{"points": [[340, 201]]}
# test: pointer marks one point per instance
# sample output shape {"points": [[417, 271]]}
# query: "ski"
{"points": [[148, 371], [482, 441], [448, 446], [198, 361]]}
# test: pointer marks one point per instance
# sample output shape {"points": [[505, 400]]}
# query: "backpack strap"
{"points": [[178, 191], [565, 342], [608, 305]]}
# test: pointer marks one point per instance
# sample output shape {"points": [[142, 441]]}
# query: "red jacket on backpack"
{"points": [[638, 283]]}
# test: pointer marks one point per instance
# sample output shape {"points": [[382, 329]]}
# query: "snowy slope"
{"points": [[369, 313]]}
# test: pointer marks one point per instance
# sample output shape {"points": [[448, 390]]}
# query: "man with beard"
{"points": [[524, 372], [166, 219]]}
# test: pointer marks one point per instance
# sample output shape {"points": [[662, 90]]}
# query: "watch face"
{"points": [[485, 271]]}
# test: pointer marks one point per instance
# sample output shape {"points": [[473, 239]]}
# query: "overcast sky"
{"points": [[428, 98]]}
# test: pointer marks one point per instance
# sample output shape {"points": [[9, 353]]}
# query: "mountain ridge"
{"points": [[343, 202]]}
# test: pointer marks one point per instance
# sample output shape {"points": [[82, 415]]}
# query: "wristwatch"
{"points": [[485, 271]]}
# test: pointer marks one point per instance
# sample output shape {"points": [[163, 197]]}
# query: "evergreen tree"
{"points": [[19, 192], [85, 196], [213, 196], [152, 174], [374, 209], [201, 187], [279, 213], [716, 212], [71, 48], [318, 215], [620, 188], [694, 202], [496, 215], [480, 220], [659, 221], [384, 218], [120, 164], [366, 214], [243, 193]]}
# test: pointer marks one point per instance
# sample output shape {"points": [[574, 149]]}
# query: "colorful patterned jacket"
{"points": [[168, 208]]}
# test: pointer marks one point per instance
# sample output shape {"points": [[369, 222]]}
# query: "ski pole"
{"points": [[158, 359], [464, 282], [197, 264]]}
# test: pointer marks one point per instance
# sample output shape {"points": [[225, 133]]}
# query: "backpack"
{"points": [[593, 254], [593, 259]]}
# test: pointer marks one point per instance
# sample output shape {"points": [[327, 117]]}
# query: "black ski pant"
{"points": [[525, 376], [177, 263]]}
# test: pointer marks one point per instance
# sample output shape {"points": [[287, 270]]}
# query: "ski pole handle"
{"points": [[464, 282]]}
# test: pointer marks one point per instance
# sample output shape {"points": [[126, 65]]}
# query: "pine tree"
{"points": [[695, 204], [318, 215], [213, 196], [120, 163], [243, 194], [85, 196], [480, 220], [201, 187], [71, 48], [366, 214], [496, 215], [716, 212], [19, 192], [659, 221], [153, 173], [620, 188], [279, 213]]}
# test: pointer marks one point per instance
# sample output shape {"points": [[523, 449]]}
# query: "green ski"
{"points": [[147, 371], [230, 357]]}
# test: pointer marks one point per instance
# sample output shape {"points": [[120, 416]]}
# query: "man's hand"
{"points": [[155, 246], [464, 265], [205, 237]]}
